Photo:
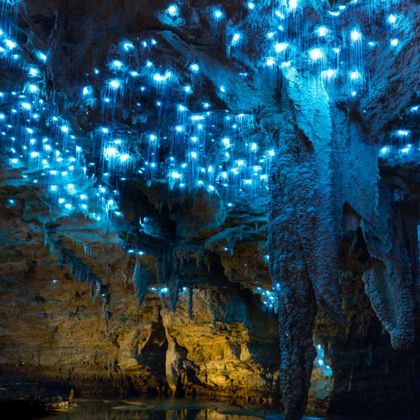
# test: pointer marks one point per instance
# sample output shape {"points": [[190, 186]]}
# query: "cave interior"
{"points": [[211, 199]]}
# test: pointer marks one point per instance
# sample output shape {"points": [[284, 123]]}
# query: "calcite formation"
{"points": [[211, 200]]}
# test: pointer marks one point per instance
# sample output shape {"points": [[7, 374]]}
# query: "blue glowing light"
{"points": [[173, 10], [87, 90], [226, 142], [157, 77], [195, 68], [355, 75], [236, 38], [329, 74], [41, 56], [384, 151], [217, 14], [110, 152], [116, 65], [316, 54], [33, 72], [10, 44], [355, 35], [127, 46], [11, 202], [402, 133], [392, 19], [114, 84], [279, 47], [32, 88], [322, 31], [175, 175], [270, 61], [406, 149], [321, 362], [125, 157], [293, 4]]}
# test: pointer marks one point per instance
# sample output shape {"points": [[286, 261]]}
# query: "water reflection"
{"points": [[160, 410]]}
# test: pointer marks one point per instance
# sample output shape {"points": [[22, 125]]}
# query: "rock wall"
{"points": [[83, 306], [60, 332], [56, 328]]}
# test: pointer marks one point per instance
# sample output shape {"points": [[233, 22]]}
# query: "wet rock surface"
{"points": [[183, 296]]}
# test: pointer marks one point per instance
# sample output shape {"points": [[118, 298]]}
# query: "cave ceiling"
{"points": [[183, 135]]}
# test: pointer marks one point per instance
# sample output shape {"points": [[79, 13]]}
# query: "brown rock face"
{"points": [[180, 294], [60, 330]]}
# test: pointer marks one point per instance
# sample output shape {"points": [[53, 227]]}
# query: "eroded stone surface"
{"points": [[328, 190], [52, 329]]}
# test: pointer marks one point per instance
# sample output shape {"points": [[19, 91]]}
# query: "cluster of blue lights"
{"points": [[402, 147], [201, 154], [164, 290], [177, 132], [321, 363], [270, 298], [206, 148], [42, 147]]}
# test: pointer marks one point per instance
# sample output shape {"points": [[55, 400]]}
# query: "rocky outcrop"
{"points": [[87, 330], [60, 331], [164, 296]]}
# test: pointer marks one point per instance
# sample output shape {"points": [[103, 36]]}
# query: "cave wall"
{"points": [[59, 332], [80, 310], [57, 329]]}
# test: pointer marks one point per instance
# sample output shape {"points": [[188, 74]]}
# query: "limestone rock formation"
{"points": [[282, 267]]}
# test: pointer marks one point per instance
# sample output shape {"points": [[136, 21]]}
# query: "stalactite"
{"points": [[174, 287], [279, 121], [190, 303], [231, 245], [140, 282], [389, 282], [80, 271]]}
